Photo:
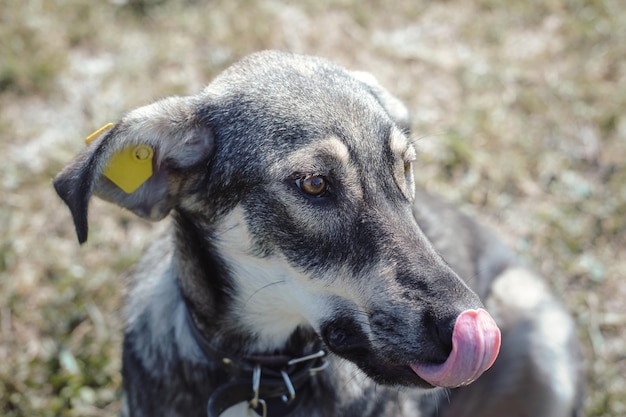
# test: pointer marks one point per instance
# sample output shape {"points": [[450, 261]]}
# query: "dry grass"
{"points": [[521, 106]]}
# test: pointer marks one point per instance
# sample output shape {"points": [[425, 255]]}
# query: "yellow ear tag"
{"points": [[98, 132], [130, 167]]}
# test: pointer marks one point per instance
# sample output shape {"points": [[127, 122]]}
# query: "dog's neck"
{"points": [[277, 382], [238, 364], [228, 301]]}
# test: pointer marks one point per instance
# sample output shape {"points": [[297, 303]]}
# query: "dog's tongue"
{"points": [[475, 346]]}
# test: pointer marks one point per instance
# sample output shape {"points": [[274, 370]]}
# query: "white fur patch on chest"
{"points": [[272, 297]]}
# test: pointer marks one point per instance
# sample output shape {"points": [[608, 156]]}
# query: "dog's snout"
{"points": [[344, 335]]}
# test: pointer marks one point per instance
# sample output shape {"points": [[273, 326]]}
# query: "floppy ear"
{"points": [[139, 163], [394, 107]]}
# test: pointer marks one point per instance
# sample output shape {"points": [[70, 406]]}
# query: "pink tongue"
{"points": [[475, 346]]}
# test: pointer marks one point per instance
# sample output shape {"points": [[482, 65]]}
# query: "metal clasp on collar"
{"points": [[290, 389], [313, 356], [257, 402], [310, 357]]}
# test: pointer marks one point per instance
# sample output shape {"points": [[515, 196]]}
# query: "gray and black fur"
{"points": [[295, 224]]}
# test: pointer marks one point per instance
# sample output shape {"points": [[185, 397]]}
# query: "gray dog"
{"points": [[303, 273]]}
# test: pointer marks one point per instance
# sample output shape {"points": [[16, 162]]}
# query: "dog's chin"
{"points": [[396, 376], [386, 373]]}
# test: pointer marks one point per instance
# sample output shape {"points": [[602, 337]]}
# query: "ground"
{"points": [[519, 108]]}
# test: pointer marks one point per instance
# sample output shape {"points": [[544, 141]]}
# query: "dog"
{"points": [[303, 272]]}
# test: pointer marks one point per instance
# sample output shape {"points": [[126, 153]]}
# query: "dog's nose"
{"points": [[440, 330]]}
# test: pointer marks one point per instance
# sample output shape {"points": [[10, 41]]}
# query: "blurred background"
{"points": [[519, 107]]}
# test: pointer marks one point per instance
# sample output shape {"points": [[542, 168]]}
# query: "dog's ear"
{"points": [[139, 163], [394, 107]]}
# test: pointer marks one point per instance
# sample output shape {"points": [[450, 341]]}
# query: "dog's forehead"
{"points": [[272, 70], [273, 107], [276, 88]]}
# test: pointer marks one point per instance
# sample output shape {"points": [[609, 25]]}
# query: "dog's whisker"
{"points": [[271, 284]]}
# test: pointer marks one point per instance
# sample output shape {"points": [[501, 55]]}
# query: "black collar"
{"points": [[269, 384]]}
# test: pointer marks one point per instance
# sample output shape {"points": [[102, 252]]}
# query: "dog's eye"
{"points": [[313, 185], [407, 167], [409, 181]]}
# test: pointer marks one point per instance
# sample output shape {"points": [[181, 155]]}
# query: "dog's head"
{"points": [[295, 176]]}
